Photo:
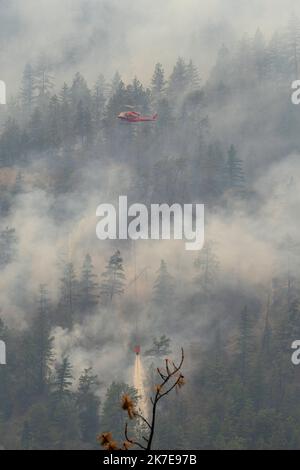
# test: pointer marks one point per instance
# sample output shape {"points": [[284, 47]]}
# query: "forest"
{"points": [[73, 308]]}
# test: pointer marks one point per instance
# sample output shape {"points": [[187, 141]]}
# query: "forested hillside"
{"points": [[73, 308]]}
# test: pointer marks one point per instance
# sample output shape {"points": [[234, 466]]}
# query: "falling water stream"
{"points": [[138, 382]]}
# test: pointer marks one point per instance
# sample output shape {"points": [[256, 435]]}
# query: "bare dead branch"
{"points": [[134, 443], [138, 415], [178, 380]]}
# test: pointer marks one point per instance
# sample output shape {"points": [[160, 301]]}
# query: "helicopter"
{"points": [[135, 116]]}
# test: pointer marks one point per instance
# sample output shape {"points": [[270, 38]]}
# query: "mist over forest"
{"points": [[72, 307]]}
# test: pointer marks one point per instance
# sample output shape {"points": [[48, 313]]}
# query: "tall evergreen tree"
{"points": [[27, 88], [69, 295], [158, 82], [245, 345], [88, 404], [8, 245], [99, 100], [115, 84], [43, 80], [83, 123], [63, 380], [178, 81], [207, 267], [161, 347], [260, 55], [113, 279], [235, 171], [80, 92], [54, 124], [89, 288], [193, 78], [163, 289], [42, 342], [113, 418]]}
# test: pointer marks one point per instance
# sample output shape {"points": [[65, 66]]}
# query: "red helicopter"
{"points": [[134, 116]]}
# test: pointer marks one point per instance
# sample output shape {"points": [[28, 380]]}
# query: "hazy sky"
{"points": [[100, 36]]}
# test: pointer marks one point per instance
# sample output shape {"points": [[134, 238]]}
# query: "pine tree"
{"points": [[42, 342], [259, 55], [235, 171], [80, 92], [207, 267], [115, 84], [267, 335], [43, 80], [88, 405], [243, 68], [11, 144], [222, 72], [63, 380], [65, 118], [193, 78], [116, 104], [163, 289], [27, 88], [276, 67], [245, 345], [113, 418], [37, 130], [113, 279], [83, 123], [8, 244], [138, 96], [158, 82], [178, 81], [89, 288], [99, 100], [65, 94], [54, 125], [68, 299], [161, 347]]}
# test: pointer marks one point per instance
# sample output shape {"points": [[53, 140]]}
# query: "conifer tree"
{"points": [[99, 100], [163, 289], [27, 88], [63, 380], [8, 245], [69, 295], [235, 171], [207, 267], [193, 78], [80, 92], [115, 84], [245, 345], [54, 125], [42, 342], [158, 82], [113, 279], [43, 80], [89, 288], [88, 405], [178, 81], [161, 347]]}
